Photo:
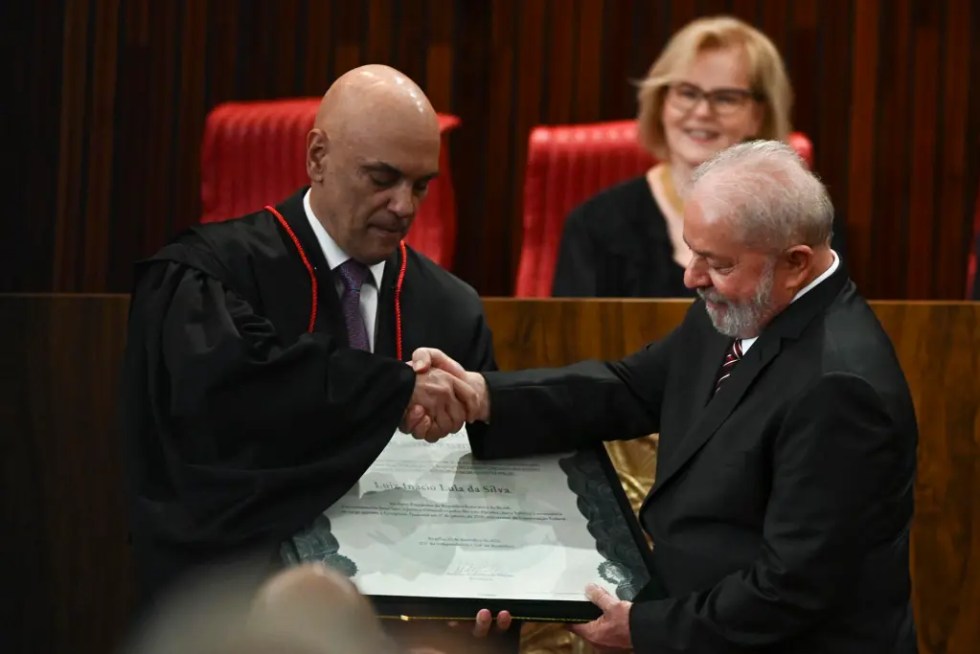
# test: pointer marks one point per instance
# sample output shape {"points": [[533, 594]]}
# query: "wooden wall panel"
{"points": [[952, 183], [862, 155], [33, 76], [924, 105], [842, 115], [71, 164], [946, 531], [116, 93], [530, 95], [471, 96], [62, 512], [499, 144]]}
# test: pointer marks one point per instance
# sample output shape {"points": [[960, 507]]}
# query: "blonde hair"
{"points": [[767, 77]]}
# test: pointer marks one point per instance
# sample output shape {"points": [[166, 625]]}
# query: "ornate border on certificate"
{"points": [[430, 531]]}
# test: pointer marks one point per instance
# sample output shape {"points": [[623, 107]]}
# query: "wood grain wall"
{"points": [[110, 98]]}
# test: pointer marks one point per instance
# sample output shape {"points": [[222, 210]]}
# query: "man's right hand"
{"points": [[431, 413], [439, 405]]}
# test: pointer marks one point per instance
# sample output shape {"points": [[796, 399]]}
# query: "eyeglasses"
{"points": [[725, 101]]}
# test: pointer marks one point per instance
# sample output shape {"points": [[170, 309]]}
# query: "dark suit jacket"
{"points": [[781, 509]]}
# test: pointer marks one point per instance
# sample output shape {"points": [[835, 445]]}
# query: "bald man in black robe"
{"points": [[265, 366]]}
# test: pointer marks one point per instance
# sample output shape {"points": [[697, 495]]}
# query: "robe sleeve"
{"points": [[245, 438]]}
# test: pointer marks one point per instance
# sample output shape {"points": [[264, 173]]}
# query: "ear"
{"points": [[317, 147], [797, 260]]}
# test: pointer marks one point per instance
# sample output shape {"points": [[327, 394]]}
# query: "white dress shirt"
{"points": [[335, 256], [746, 343]]}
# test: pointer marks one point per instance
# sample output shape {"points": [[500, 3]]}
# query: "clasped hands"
{"points": [[445, 397]]}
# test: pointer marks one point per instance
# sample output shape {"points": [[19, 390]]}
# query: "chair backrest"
{"points": [[567, 164], [254, 154]]}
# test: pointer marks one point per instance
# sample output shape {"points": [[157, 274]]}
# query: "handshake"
{"points": [[446, 396]]}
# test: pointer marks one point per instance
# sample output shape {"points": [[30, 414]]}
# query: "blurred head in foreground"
{"points": [[308, 609]]}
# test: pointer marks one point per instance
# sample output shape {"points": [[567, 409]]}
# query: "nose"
{"points": [[702, 107], [402, 202], [695, 276]]}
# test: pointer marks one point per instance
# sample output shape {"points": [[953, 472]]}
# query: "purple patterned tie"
{"points": [[353, 274]]}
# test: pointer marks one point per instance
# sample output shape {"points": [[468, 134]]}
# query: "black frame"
{"points": [[454, 608]]}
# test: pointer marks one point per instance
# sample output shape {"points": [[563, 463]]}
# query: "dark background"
{"points": [[108, 98]]}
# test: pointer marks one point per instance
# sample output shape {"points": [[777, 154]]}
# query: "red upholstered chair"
{"points": [[566, 164], [254, 154]]}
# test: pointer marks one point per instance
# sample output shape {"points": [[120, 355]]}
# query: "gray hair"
{"points": [[768, 192]]}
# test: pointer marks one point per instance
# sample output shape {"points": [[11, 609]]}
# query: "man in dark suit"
{"points": [[783, 497]]}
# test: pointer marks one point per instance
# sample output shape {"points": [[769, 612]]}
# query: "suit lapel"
{"points": [[720, 406], [787, 325], [700, 378], [704, 385]]}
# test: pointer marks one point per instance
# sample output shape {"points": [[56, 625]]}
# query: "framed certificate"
{"points": [[431, 532]]}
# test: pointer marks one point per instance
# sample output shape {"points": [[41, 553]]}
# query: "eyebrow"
{"points": [[700, 253], [721, 89], [387, 168], [740, 89], [705, 254]]}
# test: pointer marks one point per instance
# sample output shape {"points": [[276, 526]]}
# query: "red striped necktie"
{"points": [[732, 357]]}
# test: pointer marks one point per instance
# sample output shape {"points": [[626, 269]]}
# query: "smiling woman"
{"points": [[717, 83]]}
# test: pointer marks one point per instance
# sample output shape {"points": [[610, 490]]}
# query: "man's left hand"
{"points": [[610, 632], [484, 621]]}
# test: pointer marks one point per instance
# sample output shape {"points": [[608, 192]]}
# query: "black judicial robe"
{"points": [[241, 427]]}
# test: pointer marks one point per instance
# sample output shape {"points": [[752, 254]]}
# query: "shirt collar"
{"points": [[827, 273], [331, 251], [746, 343]]}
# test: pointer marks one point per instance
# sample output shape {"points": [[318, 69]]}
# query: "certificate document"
{"points": [[431, 531]]}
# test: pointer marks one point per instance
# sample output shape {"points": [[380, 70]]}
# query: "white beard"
{"points": [[742, 318]]}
